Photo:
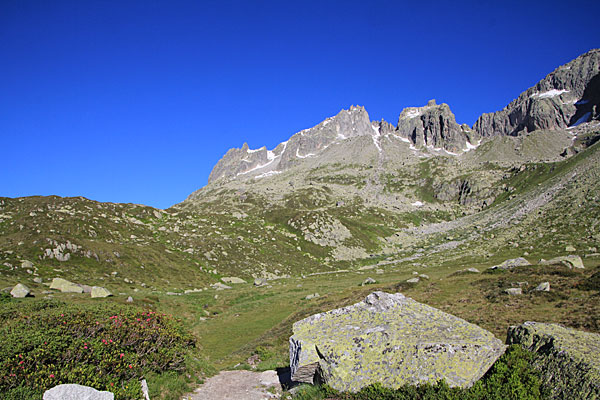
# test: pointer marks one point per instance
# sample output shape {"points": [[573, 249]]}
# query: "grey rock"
{"points": [[20, 291], [392, 340], [129, 299], [98, 292], [26, 264], [570, 248], [543, 287], [566, 358], [233, 279], [76, 392], [512, 263], [312, 296], [413, 280], [37, 280], [220, 286], [369, 281], [260, 282]]}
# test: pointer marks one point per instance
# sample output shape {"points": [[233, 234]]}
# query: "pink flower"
{"points": [[85, 347], [51, 375], [121, 355], [130, 366]]}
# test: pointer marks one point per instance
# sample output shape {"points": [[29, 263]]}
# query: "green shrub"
{"points": [[511, 378], [108, 347]]}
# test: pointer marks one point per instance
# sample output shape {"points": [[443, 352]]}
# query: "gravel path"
{"points": [[239, 385]]}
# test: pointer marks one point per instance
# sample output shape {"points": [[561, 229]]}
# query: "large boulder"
{"points": [[20, 291], [65, 286], [567, 359], [571, 261], [393, 340], [76, 392], [233, 279]]}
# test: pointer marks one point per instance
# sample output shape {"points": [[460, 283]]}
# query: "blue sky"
{"points": [[135, 101]]}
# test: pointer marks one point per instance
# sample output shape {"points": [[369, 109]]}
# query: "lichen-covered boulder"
{"points": [[393, 340], [569, 360], [65, 286], [76, 392]]}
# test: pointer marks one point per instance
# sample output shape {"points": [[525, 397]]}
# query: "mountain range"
{"points": [[348, 193]]}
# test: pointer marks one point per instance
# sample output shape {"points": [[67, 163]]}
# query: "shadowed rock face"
{"points": [[393, 340], [560, 100], [567, 359]]}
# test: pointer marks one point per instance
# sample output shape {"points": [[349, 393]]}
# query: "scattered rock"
{"points": [[129, 299], [513, 291], [312, 296], [413, 280], [144, 385], [20, 291], [76, 392], [423, 276], [567, 359], [98, 291], [393, 340], [233, 279], [260, 282], [512, 263], [570, 248], [571, 261], [65, 286], [369, 281], [543, 287], [37, 279], [26, 264], [220, 286]]}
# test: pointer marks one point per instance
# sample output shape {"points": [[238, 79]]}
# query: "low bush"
{"points": [[106, 346], [511, 378]]}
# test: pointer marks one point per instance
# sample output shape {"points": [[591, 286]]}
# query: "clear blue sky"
{"points": [[135, 101]]}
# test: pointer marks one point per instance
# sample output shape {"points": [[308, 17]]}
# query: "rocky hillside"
{"points": [[346, 194]]}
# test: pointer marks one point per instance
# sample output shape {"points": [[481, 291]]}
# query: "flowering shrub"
{"points": [[107, 347]]}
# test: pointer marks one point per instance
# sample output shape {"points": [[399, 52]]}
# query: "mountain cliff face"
{"points": [[566, 97]]}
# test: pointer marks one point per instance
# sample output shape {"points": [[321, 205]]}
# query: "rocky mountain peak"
{"points": [[566, 97], [433, 126]]}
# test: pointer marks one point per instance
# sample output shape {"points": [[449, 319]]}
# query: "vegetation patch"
{"points": [[105, 346]]}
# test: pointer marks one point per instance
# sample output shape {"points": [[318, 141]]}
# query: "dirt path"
{"points": [[240, 385]]}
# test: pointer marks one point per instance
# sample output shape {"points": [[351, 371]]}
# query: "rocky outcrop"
{"points": [[390, 339], [433, 126], [571, 261], [567, 96], [566, 358], [76, 392]]}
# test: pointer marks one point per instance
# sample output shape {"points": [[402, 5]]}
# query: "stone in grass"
{"points": [[512, 263], [233, 279], [20, 291], [98, 292], [566, 358], [312, 296], [392, 340], [570, 248], [413, 280], [76, 392], [260, 282], [220, 286], [543, 287], [65, 286], [513, 291], [571, 261], [369, 281]]}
